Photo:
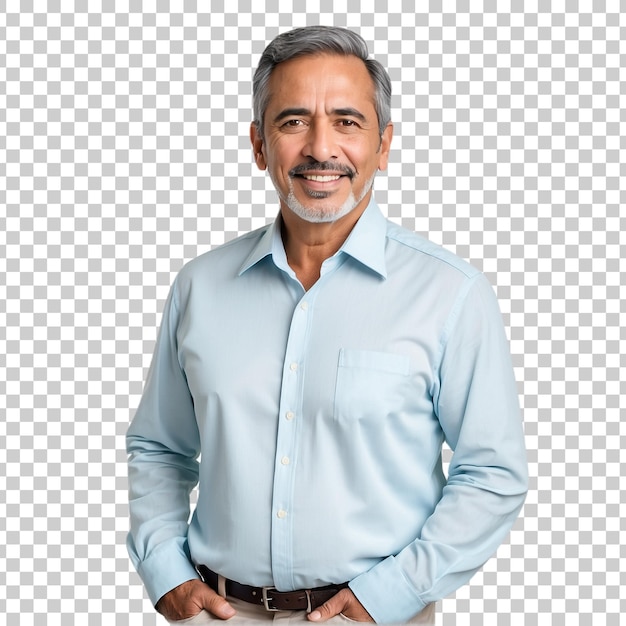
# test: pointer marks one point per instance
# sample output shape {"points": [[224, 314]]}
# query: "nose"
{"points": [[320, 143]]}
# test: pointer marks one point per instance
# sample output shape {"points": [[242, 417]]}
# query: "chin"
{"points": [[324, 210], [320, 214]]}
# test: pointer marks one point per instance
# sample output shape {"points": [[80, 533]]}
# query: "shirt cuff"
{"points": [[386, 594], [167, 567]]}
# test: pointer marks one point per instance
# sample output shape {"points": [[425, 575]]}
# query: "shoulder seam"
{"points": [[437, 252]]}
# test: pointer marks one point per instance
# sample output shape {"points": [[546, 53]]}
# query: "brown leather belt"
{"points": [[271, 598]]}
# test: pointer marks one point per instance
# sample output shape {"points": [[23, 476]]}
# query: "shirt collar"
{"points": [[268, 245], [365, 244]]}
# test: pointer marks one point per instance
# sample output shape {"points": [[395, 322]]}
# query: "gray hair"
{"points": [[312, 40]]}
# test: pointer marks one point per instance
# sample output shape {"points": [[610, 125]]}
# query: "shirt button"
{"points": [[293, 367], [304, 306], [282, 514], [290, 415], [285, 460]]}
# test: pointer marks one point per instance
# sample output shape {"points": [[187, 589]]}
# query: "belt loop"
{"points": [[199, 570], [221, 586]]}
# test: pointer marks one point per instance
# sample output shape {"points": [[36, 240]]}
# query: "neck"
{"points": [[308, 244]]}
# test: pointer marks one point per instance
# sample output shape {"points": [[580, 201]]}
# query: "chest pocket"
{"points": [[371, 385]]}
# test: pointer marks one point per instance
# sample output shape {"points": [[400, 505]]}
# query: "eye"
{"points": [[294, 125], [348, 124]]}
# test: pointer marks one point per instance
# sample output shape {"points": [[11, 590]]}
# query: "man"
{"points": [[317, 365]]}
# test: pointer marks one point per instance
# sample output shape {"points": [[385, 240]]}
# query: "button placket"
{"points": [[287, 443]]}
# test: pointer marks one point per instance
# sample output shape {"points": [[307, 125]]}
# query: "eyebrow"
{"points": [[342, 112], [350, 112], [291, 112]]}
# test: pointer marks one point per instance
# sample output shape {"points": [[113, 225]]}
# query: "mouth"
{"points": [[320, 185], [326, 178], [322, 172]]}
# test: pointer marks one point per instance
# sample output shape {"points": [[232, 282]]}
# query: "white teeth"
{"points": [[321, 179]]}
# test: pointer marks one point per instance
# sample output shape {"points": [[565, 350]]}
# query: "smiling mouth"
{"points": [[324, 172], [321, 179]]}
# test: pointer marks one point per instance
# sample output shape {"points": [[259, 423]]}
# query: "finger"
{"points": [[329, 609], [216, 605], [189, 598]]}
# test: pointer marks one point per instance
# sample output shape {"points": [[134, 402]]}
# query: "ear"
{"points": [[257, 146], [385, 146]]}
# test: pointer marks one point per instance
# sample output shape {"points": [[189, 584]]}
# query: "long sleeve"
{"points": [[163, 444], [476, 403], [320, 416]]}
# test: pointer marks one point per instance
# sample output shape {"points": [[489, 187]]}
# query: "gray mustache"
{"points": [[324, 166]]}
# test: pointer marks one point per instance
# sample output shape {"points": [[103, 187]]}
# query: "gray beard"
{"points": [[325, 213]]}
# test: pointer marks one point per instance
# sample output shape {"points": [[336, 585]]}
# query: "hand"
{"points": [[344, 602], [188, 599]]}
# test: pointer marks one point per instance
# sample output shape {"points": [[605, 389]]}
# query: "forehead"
{"points": [[334, 79]]}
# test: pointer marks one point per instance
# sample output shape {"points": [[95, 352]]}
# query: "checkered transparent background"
{"points": [[124, 153]]}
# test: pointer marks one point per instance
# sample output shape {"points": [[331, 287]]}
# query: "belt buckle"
{"points": [[267, 599]]}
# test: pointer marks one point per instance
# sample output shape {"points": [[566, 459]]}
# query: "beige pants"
{"points": [[248, 614]]}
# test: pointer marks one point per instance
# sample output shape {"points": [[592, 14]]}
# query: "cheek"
{"points": [[281, 160], [363, 154]]}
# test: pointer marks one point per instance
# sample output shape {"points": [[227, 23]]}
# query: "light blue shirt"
{"points": [[313, 421]]}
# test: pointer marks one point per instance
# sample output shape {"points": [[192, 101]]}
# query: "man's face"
{"points": [[321, 143]]}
